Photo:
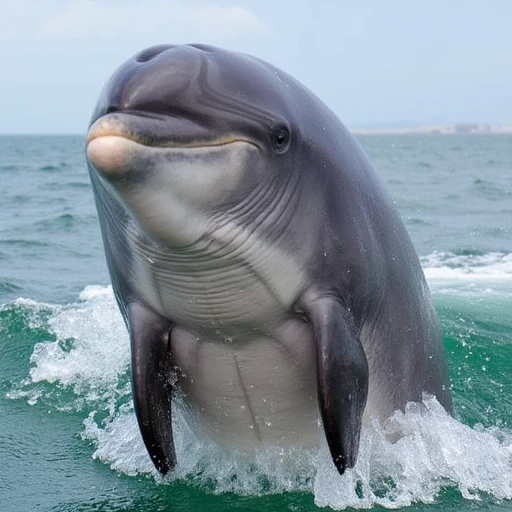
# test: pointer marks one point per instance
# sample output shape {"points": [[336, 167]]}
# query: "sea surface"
{"points": [[68, 435]]}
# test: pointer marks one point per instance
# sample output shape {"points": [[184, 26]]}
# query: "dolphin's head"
{"points": [[181, 132]]}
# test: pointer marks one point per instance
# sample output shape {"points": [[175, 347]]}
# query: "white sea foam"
{"points": [[485, 267], [485, 275], [90, 353], [91, 342], [411, 458]]}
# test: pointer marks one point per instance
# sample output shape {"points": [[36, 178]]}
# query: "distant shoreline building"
{"points": [[444, 129]]}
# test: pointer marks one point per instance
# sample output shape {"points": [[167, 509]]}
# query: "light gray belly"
{"points": [[253, 391]]}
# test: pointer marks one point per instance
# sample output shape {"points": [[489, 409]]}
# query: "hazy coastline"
{"points": [[444, 129]]}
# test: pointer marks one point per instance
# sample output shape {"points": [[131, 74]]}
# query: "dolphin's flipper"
{"points": [[152, 387], [342, 378]]}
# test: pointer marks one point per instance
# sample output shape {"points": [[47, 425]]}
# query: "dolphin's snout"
{"points": [[108, 150], [110, 155]]}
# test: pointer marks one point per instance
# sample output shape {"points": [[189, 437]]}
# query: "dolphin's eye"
{"points": [[281, 138]]}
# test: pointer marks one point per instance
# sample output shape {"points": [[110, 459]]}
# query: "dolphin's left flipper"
{"points": [[342, 377], [152, 387]]}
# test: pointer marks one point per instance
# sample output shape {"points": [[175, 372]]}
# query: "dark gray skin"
{"points": [[308, 193]]}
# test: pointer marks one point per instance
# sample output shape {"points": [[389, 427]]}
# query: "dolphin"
{"points": [[264, 274]]}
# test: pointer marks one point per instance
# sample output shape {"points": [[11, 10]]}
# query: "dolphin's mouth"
{"points": [[115, 142], [153, 130]]}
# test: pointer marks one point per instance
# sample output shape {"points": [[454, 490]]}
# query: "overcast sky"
{"points": [[372, 61]]}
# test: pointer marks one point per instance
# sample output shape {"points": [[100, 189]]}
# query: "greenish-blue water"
{"points": [[68, 437]]}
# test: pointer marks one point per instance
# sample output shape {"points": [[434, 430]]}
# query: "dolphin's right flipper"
{"points": [[151, 382], [342, 377]]}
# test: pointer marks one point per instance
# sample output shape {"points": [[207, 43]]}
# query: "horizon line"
{"points": [[376, 127]]}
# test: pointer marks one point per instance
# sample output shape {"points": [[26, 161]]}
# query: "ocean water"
{"points": [[68, 435]]}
